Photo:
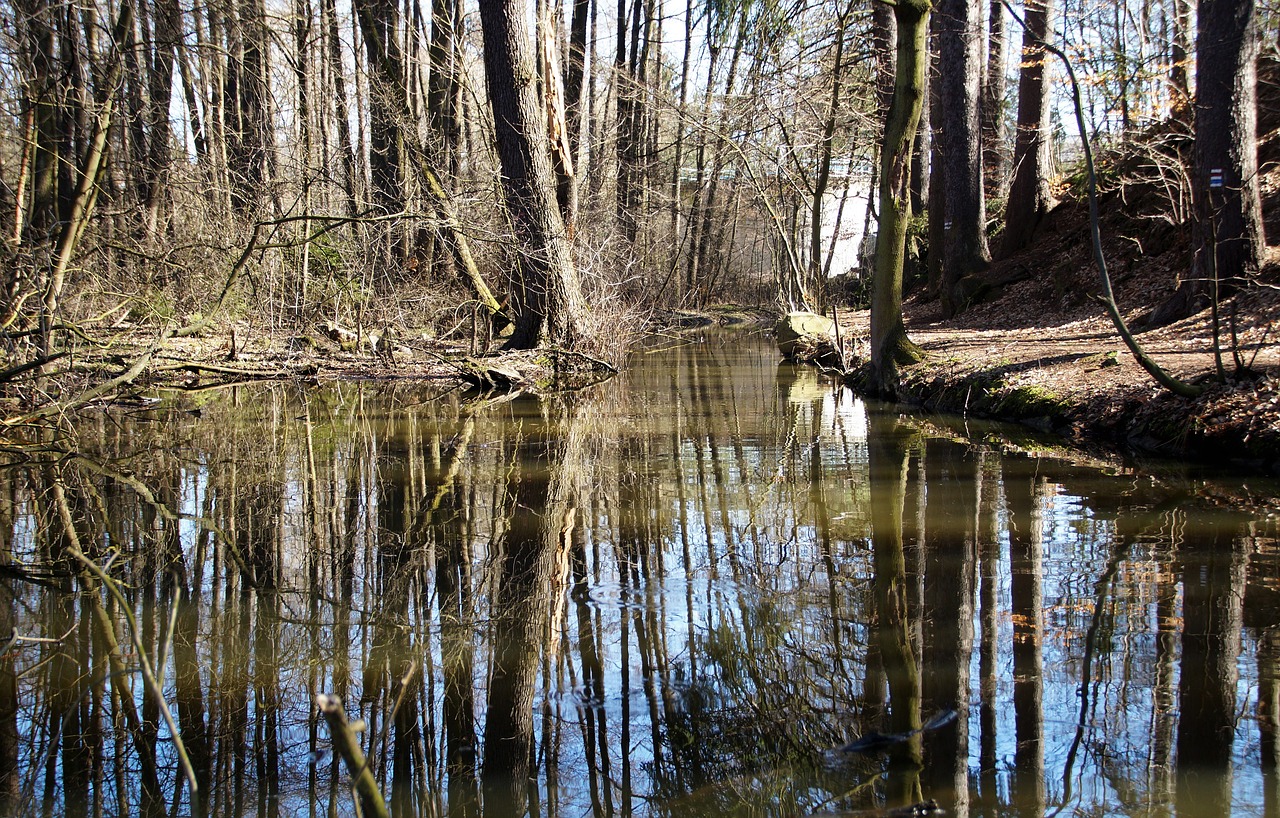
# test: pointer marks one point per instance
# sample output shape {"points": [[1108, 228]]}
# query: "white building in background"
{"points": [[851, 233]]}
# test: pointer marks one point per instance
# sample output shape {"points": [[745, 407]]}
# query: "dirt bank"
{"points": [[1045, 355]]}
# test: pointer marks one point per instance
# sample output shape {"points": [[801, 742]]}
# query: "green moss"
{"points": [[1030, 401], [1101, 360]]}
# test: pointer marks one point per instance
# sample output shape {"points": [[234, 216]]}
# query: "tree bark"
{"points": [[889, 343], [338, 83], [546, 295], [887, 462], [574, 73], [960, 72], [379, 22], [1180, 54], [1029, 195], [994, 155], [1214, 568], [251, 137], [1227, 230]]}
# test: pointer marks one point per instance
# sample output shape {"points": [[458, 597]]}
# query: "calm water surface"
{"points": [[679, 593]]}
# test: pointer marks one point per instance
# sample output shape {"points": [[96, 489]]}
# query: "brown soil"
{"points": [[1045, 353]]}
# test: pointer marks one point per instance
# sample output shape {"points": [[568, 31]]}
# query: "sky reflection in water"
{"points": [[675, 594]]}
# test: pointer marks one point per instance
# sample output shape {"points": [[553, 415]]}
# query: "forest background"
{"points": [[283, 176]]}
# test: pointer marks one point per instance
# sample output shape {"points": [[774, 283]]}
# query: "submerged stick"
{"points": [[347, 745]]}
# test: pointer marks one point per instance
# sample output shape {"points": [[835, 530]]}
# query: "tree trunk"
{"points": [[1180, 55], [166, 40], [44, 94], [921, 184], [624, 92], [704, 125], [341, 111], [959, 75], [887, 462], [1227, 230], [379, 23], [1029, 195], [994, 156], [575, 72], [936, 175], [545, 291], [85, 194], [1024, 492], [1214, 568], [677, 162], [251, 135], [889, 343]]}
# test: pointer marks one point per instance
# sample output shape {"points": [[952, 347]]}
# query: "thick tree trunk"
{"points": [[887, 463], [1227, 230], [545, 291], [250, 138], [1029, 194], [889, 343], [960, 73], [442, 85], [44, 95], [1214, 567], [951, 523]]}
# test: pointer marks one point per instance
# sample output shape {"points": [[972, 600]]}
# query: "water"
{"points": [[676, 594]]}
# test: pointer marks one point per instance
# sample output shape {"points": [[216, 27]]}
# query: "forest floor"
{"points": [[1044, 353]]}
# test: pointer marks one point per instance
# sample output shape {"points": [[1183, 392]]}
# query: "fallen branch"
{"points": [[1107, 298], [90, 575], [239, 372], [59, 406], [37, 363], [347, 745]]}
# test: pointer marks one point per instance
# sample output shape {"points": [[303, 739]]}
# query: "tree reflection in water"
{"points": [[675, 594]]}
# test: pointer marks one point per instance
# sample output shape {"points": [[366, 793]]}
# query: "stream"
{"points": [[714, 585]]}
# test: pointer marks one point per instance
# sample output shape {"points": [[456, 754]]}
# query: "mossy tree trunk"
{"points": [[890, 345]]}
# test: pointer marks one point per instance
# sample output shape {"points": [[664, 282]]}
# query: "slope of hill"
{"points": [[1039, 349]]}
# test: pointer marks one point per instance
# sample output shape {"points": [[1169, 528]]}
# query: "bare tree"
{"points": [[546, 295], [1227, 231], [959, 76], [889, 343], [1029, 195]]}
